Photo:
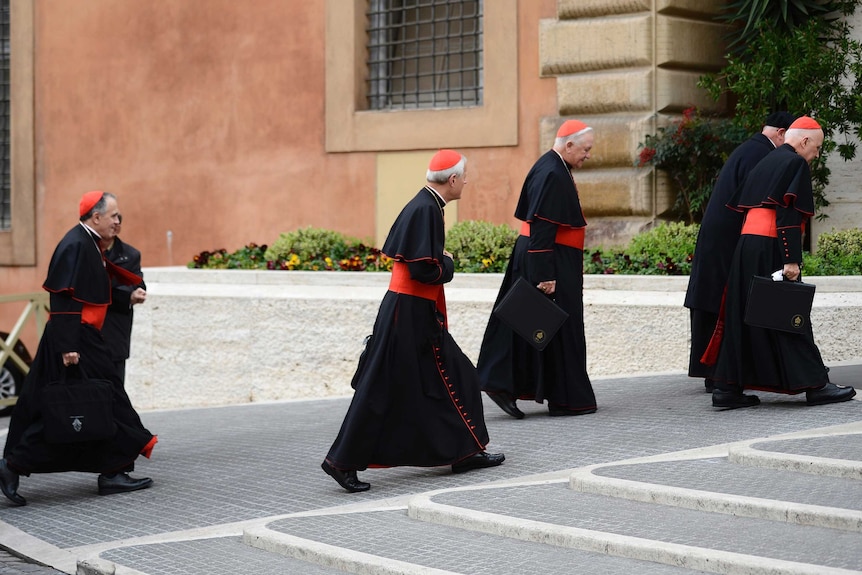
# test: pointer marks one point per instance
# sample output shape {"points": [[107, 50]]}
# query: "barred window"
{"points": [[5, 133], [424, 54]]}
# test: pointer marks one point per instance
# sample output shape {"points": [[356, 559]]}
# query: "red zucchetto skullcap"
{"points": [[443, 160], [805, 123], [570, 127], [89, 200]]}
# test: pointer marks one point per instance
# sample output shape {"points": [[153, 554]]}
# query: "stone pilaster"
{"points": [[627, 67]]}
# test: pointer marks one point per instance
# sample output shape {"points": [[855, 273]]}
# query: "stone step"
{"points": [[390, 542], [225, 556], [829, 455], [697, 540], [718, 485]]}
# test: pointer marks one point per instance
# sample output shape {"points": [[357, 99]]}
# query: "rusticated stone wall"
{"points": [[626, 67]]}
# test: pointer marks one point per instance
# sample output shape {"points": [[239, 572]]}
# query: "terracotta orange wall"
{"points": [[496, 174], [206, 118]]}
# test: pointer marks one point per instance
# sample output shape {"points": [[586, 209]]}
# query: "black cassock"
{"points": [[716, 242], [117, 330], [507, 363], [417, 400], [76, 279], [755, 358]]}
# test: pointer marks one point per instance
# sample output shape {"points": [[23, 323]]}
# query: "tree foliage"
{"points": [[748, 16], [805, 66]]}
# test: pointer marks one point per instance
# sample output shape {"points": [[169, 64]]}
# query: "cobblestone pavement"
{"points": [[219, 471]]}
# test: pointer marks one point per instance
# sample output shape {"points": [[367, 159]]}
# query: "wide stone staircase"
{"points": [[755, 508]]}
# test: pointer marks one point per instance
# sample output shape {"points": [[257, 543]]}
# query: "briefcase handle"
{"points": [[64, 374]]}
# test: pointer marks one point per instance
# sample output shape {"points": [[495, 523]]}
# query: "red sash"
{"points": [[760, 222], [94, 315], [401, 282], [566, 236], [91, 314]]}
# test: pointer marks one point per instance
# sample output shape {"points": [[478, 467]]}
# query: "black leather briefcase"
{"points": [[76, 410], [783, 306], [530, 313]]}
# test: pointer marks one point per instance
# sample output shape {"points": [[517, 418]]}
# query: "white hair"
{"points": [[440, 176], [561, 141]]}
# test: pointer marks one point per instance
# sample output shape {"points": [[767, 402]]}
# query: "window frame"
{"points": [[18, 244], [350, 128]]}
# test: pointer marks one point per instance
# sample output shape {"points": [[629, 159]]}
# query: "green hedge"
{"points": [[478, 246], [839, 253], [666, 249]]}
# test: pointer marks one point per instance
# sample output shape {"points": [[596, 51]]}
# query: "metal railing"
{"points": [[36, 307]]}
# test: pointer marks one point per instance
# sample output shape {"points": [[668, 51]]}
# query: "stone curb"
{"points": [[842, 468], [710, 560], [331, 556], [774, 510], [98, 566]]}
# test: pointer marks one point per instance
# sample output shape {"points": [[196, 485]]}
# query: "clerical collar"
{"points": [[94, 235], [565, 163], [441, 202], [93, 232]]}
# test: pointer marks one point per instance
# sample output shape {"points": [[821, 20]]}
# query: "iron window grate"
{"points": [[424, 54]]}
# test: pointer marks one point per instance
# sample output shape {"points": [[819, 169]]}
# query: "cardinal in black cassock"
{"points": [[717, 238], [79, 282], [417, 400], [777, 200], [549, 253]]}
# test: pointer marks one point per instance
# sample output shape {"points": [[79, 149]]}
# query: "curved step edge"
{"points": [[327, 555], [775, 510], [750, 456], [710, 560]]}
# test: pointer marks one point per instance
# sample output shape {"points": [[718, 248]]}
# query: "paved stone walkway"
{"points": [[230, 481]]}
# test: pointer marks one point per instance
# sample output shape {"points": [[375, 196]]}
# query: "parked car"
{"points": [[11, 377]]}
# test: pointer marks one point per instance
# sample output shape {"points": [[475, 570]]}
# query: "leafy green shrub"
{"points": [[838, 253], [310, 244], [666, 249], [478, 246], [318, 249], [306, 249], [246, 258]]}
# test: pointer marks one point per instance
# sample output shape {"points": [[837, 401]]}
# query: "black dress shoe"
{"points": [[708, 385], [829, 393], [346, 479], [478, 461], [733, 399], [9, 484], [506, 403], [121, 483], [558, 411]]}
